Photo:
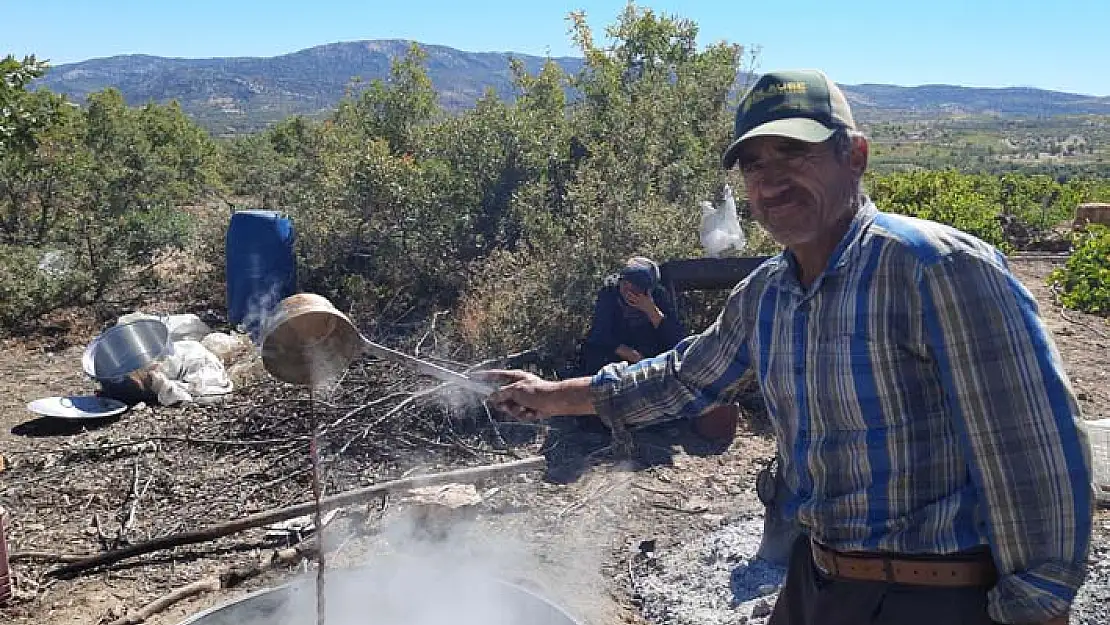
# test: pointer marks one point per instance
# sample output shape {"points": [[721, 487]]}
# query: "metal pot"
{"points": [[367, 595], [123, 356], [307, 341]]}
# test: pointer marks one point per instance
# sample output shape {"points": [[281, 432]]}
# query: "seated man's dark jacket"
{"points": [[616, 323]]}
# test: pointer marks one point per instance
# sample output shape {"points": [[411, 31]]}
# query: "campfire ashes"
{"points": [[717, 580]]}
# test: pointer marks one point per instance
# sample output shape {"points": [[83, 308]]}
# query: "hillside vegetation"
{"points": [[1066, 145], [506, 214]]}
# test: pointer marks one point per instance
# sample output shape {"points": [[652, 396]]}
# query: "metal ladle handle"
{"points": [[427, 368]]}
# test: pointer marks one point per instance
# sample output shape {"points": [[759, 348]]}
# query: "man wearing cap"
{"points": [[927, 432]]}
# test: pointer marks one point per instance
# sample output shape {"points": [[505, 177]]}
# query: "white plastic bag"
{"points": [[190, 374], [202, 371], [186, 327], [170, 392], [136, 316], [228, 348], [720, 227]]}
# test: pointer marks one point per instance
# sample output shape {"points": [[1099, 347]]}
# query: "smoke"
{"points": [[449, 573], [424, 567], [260, 306]]}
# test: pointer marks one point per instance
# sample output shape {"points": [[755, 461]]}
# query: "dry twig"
{"points": [[213, 532], [229, 578], [133, 497], [431, 332]]}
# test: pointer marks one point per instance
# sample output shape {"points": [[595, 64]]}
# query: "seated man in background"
{"points": [[633, 318]]}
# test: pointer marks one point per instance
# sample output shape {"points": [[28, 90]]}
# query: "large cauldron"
{"points": [[383, 595]]}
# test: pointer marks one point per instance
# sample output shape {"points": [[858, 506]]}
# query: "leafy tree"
{"points": [[644, 142], [397, 110], [1085, 279], [90, 197], [26, 120], [22, 114]]}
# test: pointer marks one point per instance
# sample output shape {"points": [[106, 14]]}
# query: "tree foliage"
{"points": [[1084, 280], [508, 214], [983, 204], [89, 196]]}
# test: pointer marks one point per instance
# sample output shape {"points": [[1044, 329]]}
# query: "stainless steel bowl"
{"points": [[123, 356]]}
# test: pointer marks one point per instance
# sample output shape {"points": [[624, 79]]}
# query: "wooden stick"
{"points": [[208, 584], [229, 578], [266, 517], [317, 494], [43, 556]]}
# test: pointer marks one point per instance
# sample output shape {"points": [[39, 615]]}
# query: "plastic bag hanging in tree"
{"points": [[720, 227]]}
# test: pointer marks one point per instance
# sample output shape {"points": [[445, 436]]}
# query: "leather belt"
{"points": [[876, 567]]}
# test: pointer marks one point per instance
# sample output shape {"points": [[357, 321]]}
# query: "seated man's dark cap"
{"points": [[642, 272], [797, 104]]}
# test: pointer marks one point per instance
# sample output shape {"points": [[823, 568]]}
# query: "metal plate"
{"points": [[77, 407]]}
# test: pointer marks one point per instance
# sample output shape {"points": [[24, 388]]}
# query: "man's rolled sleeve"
{"points": [[700, 372], [1016, 416]]}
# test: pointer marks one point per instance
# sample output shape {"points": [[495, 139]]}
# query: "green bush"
{"points": [[524, 300], [949, 197], [1084, 281], [35, 281], [983, 204], [101, 187]]}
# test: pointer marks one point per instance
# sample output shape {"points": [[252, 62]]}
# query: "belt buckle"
{"points": [[888, 570]]}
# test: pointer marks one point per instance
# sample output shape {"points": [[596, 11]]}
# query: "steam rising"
{"points": [[499, 569], [259, 308], [460, 574]]}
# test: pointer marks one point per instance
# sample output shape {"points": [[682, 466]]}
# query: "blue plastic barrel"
{"points": [[261, 266]]}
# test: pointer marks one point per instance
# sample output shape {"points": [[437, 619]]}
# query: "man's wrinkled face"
{"points": [[798, 191]]}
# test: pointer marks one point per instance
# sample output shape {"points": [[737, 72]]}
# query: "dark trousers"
{"points": [[809, 597]]}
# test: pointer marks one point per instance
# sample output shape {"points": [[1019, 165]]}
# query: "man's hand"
{"points": [[528, 397], [643, 302], [628, 354]]}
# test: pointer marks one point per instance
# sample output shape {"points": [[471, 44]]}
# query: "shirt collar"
{"points": [[845, 252], [849, 246]]}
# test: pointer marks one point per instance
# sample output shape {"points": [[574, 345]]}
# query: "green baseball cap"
{"points": [[798, 104]]}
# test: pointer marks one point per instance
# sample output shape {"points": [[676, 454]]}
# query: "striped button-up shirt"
{"points": [[919, 404]]}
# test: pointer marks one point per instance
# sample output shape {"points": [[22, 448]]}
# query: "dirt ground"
{"points": [[569, 532]]}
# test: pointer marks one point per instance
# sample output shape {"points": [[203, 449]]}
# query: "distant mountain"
{"points": [[246, 93], [932, 100]]}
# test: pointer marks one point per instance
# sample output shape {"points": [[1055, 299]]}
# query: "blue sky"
{"points": [[1052, 44]]}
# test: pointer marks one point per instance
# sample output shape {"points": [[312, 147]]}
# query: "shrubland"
{"points": [[506, 215]]}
